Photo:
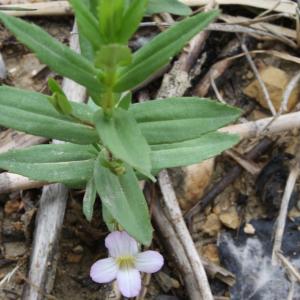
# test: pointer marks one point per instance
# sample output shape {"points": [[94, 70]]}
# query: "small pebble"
{"points": [[230, 218], [249, 229]]}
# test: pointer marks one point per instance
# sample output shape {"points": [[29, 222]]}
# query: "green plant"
{"points": [[113, 143]]}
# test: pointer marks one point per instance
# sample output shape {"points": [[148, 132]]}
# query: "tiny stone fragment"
{"points": [[249, 229], [230, 218], [212, 226], [211, 253]]}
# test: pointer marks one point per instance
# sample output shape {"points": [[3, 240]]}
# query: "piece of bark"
{"points": [[11, 139], [50, 217], [10, 182]]}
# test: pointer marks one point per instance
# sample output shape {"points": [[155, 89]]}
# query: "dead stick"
{"points": [[50, 217], [259, 79], [176, 218], [176, 249], [10, 182], [172, 243], [11, 139], [255, 128], [287, 6], [280, 224], [55, 8], [292, 270]]}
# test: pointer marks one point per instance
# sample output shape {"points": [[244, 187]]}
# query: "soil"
{"points": [[250, 197]]}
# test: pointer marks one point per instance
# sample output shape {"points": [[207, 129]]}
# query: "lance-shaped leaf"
{"points": [[32, 113], [56, 55], [110, 15], [160, 50], [89, 199], [66, 163], [122, 136], [179, 119], [170, 6], [87, 22], [191, 151], [123, 198], [131, 19]]}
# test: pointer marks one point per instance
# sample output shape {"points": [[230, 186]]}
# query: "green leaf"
{"points": [[178, 119], [59, 99], [110, 15], [161, 49], [191, 151], [56, 55], [66, 163], [87, 22], [113, 55], [132, 19], [32, 113], [93, 4], [89, 199], [170, 6], [123, 198], [125, 101], [109, 220], [121, 135]]}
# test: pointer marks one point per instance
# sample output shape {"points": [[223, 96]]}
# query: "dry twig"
{"points": [[292, 270], [286, 6], [287, 93], [63, 7], [280, 223], [258, 77], [50, 218], [176, 218]]}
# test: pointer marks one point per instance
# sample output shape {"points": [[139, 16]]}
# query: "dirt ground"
{"points": [[256, 194]]}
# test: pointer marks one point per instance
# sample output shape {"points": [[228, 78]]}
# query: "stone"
{"points": [[249, 229], [230, 218], [211, 253], [276, 81], [212, 225]]}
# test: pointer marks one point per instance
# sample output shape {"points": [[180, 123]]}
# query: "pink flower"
{"points": [[125, 263]]}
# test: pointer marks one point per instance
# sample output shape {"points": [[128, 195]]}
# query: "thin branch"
{"points": [[56, 8], [176, 218], [286, 6], [259, 79], [290, 184], [292, 270], [287, 93]]}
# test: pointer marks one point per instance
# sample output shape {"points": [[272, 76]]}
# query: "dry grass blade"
{"points": [[286, 6]]}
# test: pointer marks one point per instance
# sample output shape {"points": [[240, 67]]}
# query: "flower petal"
{"points": [[104, 270], [129, 282], [120, 243], [149, 261]]}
